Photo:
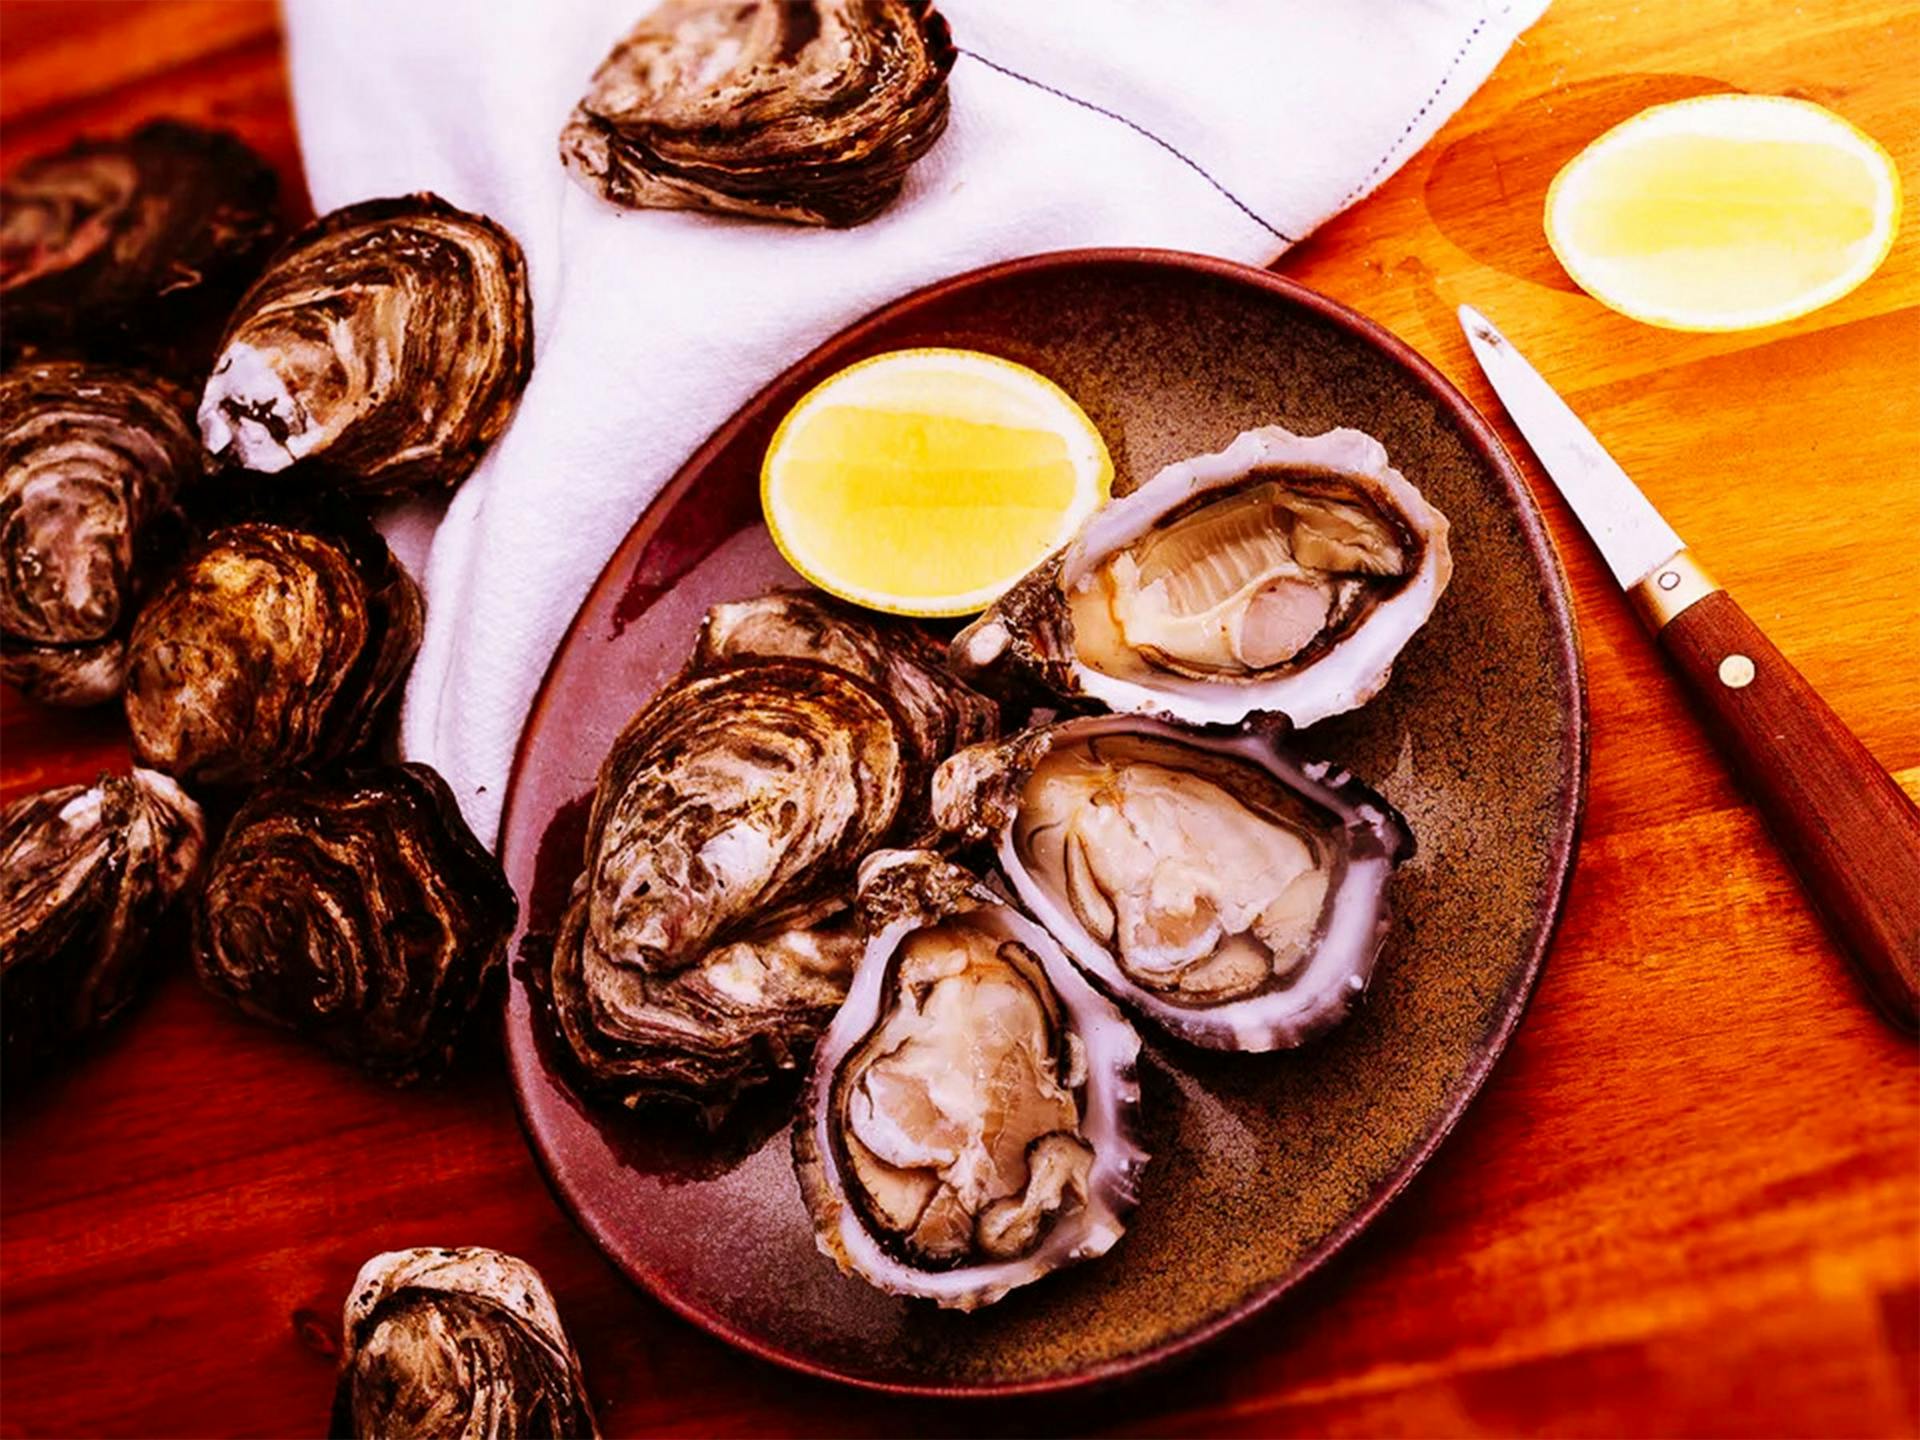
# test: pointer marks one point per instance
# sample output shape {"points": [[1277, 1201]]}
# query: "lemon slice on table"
{"points": [[925, 482], [1725, 212]]}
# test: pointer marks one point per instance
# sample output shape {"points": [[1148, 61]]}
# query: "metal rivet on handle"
{"points": [[1668, 579], [1736, 672]]}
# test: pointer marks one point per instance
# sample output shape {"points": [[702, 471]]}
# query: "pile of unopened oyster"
{"points": [[950, 880], [189, 425]]}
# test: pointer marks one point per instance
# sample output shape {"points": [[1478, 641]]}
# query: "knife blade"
{"points": [[1848, 829]]}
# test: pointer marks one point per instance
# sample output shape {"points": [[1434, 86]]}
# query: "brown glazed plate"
{"points": [[1263, 1165]]}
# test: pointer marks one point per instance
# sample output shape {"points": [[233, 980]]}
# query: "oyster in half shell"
{"points": [[456, 1343], [92, 463], [969, 1123], [357, 908], [382, 351], [1221, 886], [271, 647], [85, 872], [1283, 574], [802, 110]]}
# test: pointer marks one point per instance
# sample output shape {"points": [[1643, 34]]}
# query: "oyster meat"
{"points": [[130, 246], [85, 872], [969, 1123], [360, 909], [707, 942], [463, 1343], [801, 110], [271, 647], [92, 463], [1283, 575], [1223, 887], [381, 352]]}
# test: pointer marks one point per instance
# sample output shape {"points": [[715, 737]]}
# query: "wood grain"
{"points": [[1689, 1201]]}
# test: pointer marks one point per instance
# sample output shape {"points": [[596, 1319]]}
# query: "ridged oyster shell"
{"points": [[800, 110], [1223, 887], [1282, 575]]}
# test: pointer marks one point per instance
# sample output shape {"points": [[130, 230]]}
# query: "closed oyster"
{"points": [[381, 352], [1282, 575], [271, 647], [92, 461], [85, 872], [1223, 887], [802, 110], [969, 1122], [132, 244], [456, 1343], [707, 943], [357, 908]]}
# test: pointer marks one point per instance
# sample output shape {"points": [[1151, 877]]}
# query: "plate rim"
{"points": [[1571, 793]]}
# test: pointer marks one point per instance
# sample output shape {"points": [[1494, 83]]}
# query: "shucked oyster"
{"points": [[360, 909], [457, 1343], [271, 647], [91, 462], [132, 243], [1282, 575], [706, 943], [1228, 890], [85, 871], [969, 1122], [804, 110], [383, 350]]}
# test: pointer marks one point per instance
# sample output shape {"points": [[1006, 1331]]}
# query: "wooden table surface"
{"points": [[1689, 1201]]}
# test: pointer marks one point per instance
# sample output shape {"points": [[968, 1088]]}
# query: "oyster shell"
{"points": [[467, 1343], [382, 351], [92, 461], [969, 1122], [357, 908], [271, 647], [706, 944], [134, 244], [1221, 886], [85, 872], [1283, 574], [802, 110]]}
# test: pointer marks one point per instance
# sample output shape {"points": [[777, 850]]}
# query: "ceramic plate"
{"points": [[1264, 1165]]}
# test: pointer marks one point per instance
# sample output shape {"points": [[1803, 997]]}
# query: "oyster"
{"points": [[706, 944], [802, 110], [1226, 889], [360, 909], [382, 351], [85, 872], [466, 1343], [1282, 575], [271, 647], [131, 245], [969, 1123], [92, 461]]}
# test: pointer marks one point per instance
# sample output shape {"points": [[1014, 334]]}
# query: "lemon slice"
{"points": [[1725, 212], [925, 482]]}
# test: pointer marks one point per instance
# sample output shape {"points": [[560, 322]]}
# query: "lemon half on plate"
{"points": [[925, 482], [1725, 212]]}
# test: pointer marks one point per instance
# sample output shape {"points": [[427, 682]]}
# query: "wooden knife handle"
{"points": [[1848, 828]]}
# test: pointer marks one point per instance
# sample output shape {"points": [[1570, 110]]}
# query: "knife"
{"points": [[1849, 830]]}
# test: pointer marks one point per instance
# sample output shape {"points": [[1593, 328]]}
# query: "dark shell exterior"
{"points": [[456, 1343], [118, 248], [358, 909], [271, 647], [380, 354], [800, 110], [85, 873], [93, 461]]}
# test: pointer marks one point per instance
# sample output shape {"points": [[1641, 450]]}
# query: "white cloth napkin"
{"points": [[1232, 127]]}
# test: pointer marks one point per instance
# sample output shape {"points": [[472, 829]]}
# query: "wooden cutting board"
{"points": [[1690, 1198]]}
